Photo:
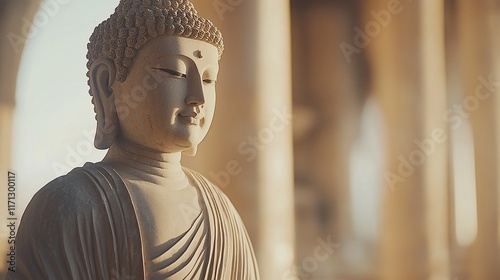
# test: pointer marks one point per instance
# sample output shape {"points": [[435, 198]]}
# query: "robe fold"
{"points": [[84, 226]]}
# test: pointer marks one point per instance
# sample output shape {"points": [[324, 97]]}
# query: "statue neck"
{"points": [[146, 164]]}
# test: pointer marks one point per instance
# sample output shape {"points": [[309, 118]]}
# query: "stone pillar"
{"points": [[329, 92], [406, 47], [453, 83], [248, 152], [479, 44], [437, 167], [13, 39], [459, 252]]}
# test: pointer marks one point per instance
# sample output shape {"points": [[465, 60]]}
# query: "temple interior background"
{"points": [[359, 140]]}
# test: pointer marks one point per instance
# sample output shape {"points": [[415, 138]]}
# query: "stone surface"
{"points": [[480, 72], [139, 213]]}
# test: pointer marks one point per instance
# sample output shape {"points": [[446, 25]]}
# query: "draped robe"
{"points": [[84, 226]]}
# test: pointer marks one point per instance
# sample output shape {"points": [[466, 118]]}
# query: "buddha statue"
{"points": [[152, 71]]}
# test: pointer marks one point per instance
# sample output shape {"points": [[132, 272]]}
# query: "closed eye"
{"points": [[173, 73], [209, 81]]}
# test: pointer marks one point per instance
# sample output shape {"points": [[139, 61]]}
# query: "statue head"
{"points": [[152, 68]]}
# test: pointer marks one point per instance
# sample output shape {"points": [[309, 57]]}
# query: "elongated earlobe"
{"points": [[102, 75]]}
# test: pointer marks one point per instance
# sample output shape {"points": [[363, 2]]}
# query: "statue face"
{"points": [[167, 102]]}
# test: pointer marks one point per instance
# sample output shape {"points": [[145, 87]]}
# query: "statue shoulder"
{"points": [[75, 190], [67, 221]]}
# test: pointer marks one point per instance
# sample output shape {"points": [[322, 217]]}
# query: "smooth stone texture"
{"points": [[139, 213]]}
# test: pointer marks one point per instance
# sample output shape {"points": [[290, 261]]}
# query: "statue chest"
{"points": [[163, 214]]}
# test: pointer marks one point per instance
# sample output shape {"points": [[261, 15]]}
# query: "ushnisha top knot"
{"points": [[134, 22]]}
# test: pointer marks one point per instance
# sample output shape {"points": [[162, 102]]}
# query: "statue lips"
{"points": [[190, 118]]}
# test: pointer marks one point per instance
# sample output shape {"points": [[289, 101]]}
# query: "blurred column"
{"points": [[329, 92], [406, 46], [462, 228], [248, 152], [13, 38], [453, 83], [480, 57]]}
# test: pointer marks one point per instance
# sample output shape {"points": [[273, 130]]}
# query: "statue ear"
{"points": [[102, 75]]}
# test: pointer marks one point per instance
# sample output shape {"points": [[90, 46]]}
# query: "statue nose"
{"points": [[195, 99]]}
